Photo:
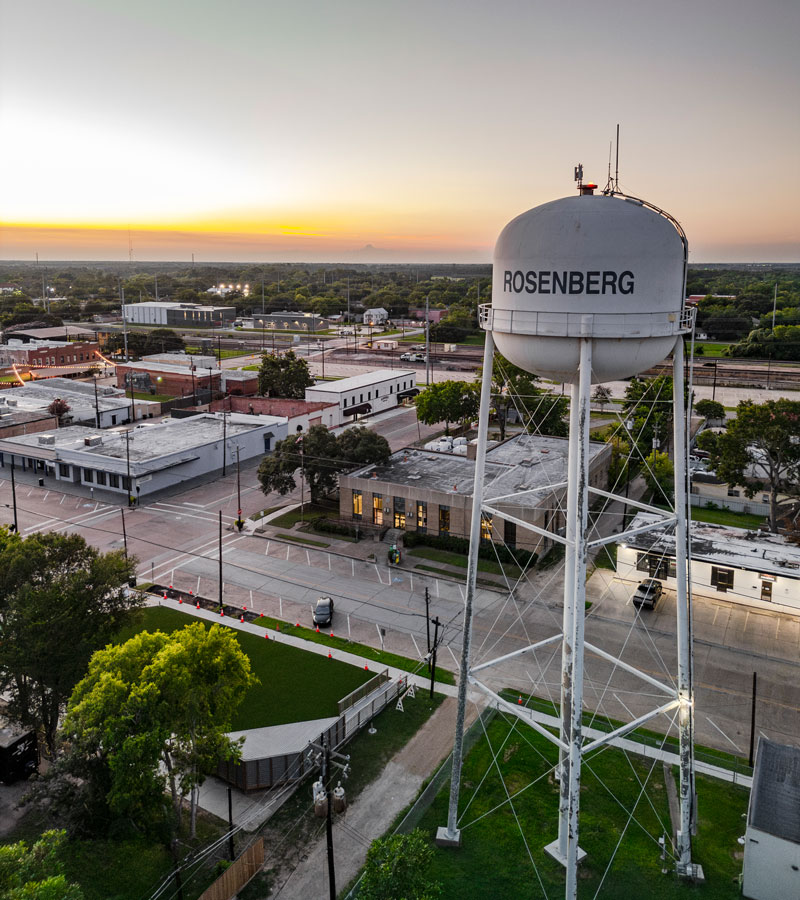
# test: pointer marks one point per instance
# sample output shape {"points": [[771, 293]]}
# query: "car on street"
{"points": [[648, 593], [323, 611]]}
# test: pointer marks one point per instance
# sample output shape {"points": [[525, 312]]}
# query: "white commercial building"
{"points": [[771, 869], [170, 314], [367, 394], [755, 568], [146, 459]]}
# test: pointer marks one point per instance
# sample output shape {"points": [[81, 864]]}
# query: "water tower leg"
{"points": [[450, 835], [565, 848], [683, 625]]}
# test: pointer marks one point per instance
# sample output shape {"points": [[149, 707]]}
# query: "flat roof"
{"points": [[175, 304], [147, 444], [775, 795], [170, 368], [358, 381], [522, 463], [756, 551], [55, 331], [276, 740]]}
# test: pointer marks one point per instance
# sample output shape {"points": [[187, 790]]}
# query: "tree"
{"points": [[153, 713], [361, 446], [60, 600], [760, 451], [34, 873], [283, 376], [659, 474], [648, 401], [513, 388], [397, 868], [141, 343], [448, 401], [710, 409], [316, 452], [602, 396], [59, 408]]}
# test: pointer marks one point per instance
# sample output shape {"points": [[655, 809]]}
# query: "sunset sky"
{"points": [[388, 131]]}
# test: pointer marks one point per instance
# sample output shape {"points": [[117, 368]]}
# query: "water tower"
{"points": [[586, 289]]}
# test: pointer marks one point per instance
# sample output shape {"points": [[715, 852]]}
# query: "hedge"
{"points": [[491, 551]]}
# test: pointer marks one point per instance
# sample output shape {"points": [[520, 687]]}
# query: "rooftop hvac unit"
{"points": [[93, 441], [47, 439]]}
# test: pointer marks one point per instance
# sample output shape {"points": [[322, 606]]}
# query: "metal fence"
{"points": [[360, 692]]}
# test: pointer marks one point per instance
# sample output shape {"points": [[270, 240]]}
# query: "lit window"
{"points": [[486, 527], [377, 509], [444, 520], [358, 501]]}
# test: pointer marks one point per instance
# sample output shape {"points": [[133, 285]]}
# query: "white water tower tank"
{"points": [[604, 266]]}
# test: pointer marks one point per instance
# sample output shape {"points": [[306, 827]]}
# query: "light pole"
{"points": [[302, 477], [629, 423], [96, 403], [14, 494], [128, 464], [239, 522]]}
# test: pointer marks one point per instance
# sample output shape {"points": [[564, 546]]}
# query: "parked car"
{"points": [[323, 611], [412, 357], [648, 593]]}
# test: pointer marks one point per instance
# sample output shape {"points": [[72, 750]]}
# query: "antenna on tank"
{"points": [[612, 185], [579, 175], [609, 183], [616, 169]]}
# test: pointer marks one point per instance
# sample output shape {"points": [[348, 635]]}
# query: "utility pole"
{"points": [[128, 464], [224, 442], [124, 321], [220, 560], [14, 495], [302, 477], [433, 652], [326, 780], [753, 722], [124, 533], [96, 404], [428, 617], [427, 339], [238, 492]]}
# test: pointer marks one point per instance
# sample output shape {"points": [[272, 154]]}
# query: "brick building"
{"points": [[38, 354], [169, 378], [301, 414]]}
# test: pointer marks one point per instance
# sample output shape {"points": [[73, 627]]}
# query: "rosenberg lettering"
{"points": [[547, 282]]}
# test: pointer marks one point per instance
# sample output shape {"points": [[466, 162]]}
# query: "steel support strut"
{"points": [[565, 848], [450, 835], [682, 595]]}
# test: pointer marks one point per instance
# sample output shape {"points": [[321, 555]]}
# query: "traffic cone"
{"points": [[277, 626], [241, 618], [261, 615], [330, 656], [180, 599], [519, 700], [198, 604], [222, 612], [331, 634], [266, 635], [366, 668]]}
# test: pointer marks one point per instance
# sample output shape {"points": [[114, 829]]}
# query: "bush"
{"points": [[461, 545], [328, 526]]}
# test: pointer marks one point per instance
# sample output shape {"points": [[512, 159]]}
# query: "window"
{"points": [[399, 512], [732, 492], [377, 509], [765, 498], [345, 402], [391, 388], [422, 516], [126, 483], [358, 504], [360, 398], [655, 566], [722, 579], [486, 528], [87, 475], [510, 534], [267, 443], [444, 520], [113, 480], [63, 470], [101, 477], [369, 395]]}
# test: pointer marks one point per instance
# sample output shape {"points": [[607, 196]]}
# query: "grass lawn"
{"points": [[156, 398], [265, 512], [301, 540], [290, 519], [710, 348], [456, 559], [726, 517], [526, 760], [295, 685]]}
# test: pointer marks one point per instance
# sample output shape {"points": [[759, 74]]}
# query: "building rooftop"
{"points": [[358, 381], [57, 332], [145, 365], [775, 797], [522, 463], [180, 358], [175, 304], [724, 544], [147, 445]]}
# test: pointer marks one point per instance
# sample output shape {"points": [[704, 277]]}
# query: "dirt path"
{"points": [[376, 808]]}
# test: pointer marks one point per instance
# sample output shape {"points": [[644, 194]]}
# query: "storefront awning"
{"points": [[411, 392], [361, 410]]}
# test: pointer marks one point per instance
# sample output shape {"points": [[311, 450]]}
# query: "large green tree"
{"points": [[361, 446], [648, 401], [448, 401], [398, 868], [515, 389], [35, 873], [283, 376], [60, 600], [146, 343], [760, 451], [153, 713]]}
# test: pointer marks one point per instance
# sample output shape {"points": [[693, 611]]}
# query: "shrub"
{"points": [[461, 545], [328, 526]]}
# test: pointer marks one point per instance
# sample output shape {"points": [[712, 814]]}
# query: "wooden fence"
{"points": [[236, 876]]}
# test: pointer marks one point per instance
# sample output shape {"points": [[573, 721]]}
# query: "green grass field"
{"points": [[494, 861], [295, 685], [291, 518], [711, 349], [725, 517]]}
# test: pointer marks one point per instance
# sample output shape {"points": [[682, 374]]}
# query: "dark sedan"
{"points": [[648, 593], [323, 611]]}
